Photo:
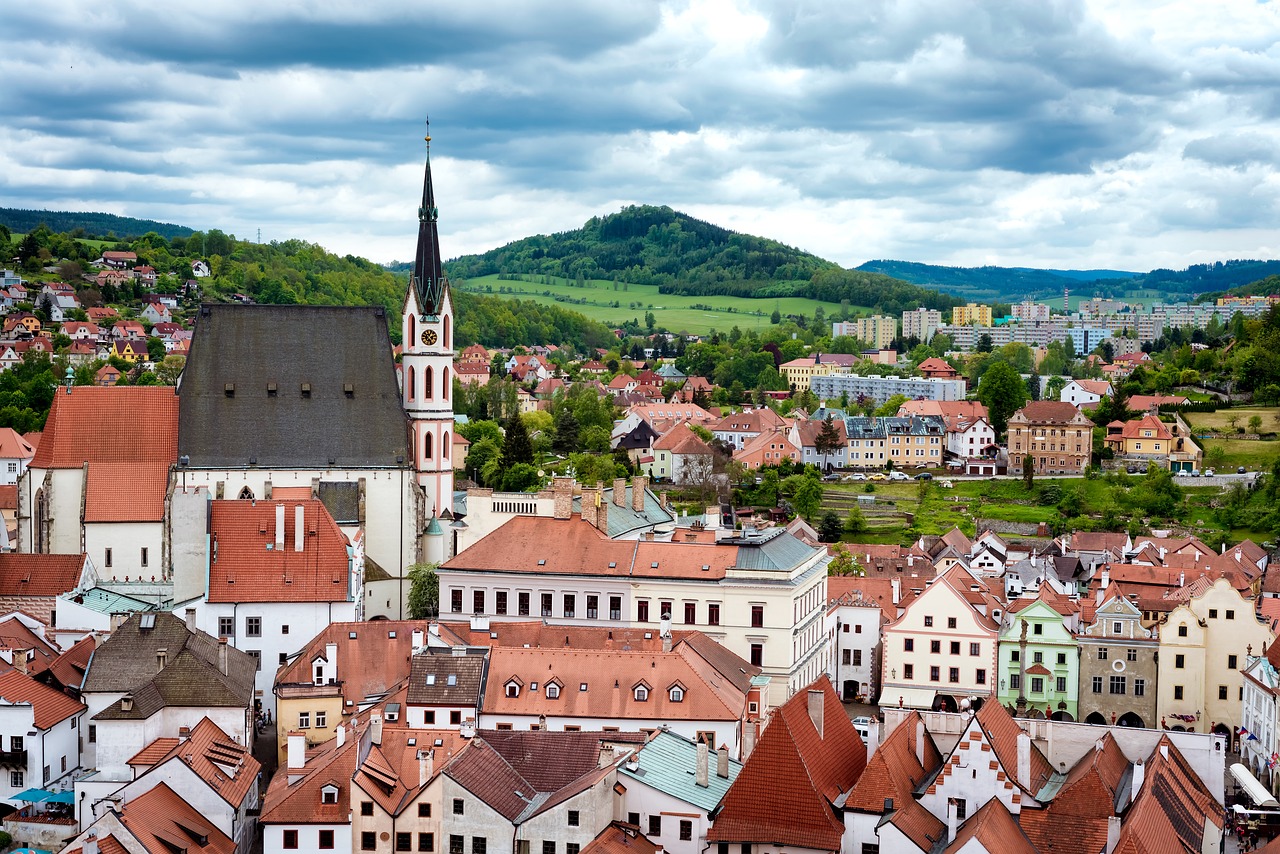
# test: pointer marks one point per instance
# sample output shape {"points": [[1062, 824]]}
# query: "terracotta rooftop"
{"points": [[899, 765], [226, 767], [46, 575], [1077, 817], [681, 440], [393, 775], [785, 792], [50, 705], [1002, 734], [294, 796], [249, 567], [162, 822], [1048, 412], [993, 828], [1172, 808], [621, 838], [69, 667]]}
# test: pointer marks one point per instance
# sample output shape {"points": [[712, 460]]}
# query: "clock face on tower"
{"points": [[428, 337]]}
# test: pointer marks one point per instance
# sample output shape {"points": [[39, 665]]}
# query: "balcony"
{"points": [[13, 759]]}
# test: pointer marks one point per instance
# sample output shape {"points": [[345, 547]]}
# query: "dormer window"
{"points": [[329, 794], [676, 694], [553, 691], [513, 689], [641, 693]]}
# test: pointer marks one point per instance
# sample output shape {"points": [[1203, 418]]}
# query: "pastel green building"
{"points": [[1039, 660]]}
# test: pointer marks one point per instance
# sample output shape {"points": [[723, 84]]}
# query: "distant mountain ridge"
{"points": [[99, 224]]}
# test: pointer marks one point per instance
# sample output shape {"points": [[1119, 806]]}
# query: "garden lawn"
{"points": [[1217, 422]]}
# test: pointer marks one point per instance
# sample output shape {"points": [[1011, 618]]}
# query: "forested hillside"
{"points": [[682, 255], [100, 225]]}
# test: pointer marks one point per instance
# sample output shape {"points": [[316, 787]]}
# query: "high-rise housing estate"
{"points": [[921, 323], [1028, 310], [972, 314], [878, 330]]}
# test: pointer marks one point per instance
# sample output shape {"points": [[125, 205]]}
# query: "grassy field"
{"points": [[676, 313], [1218, 421], [1250, 453]]}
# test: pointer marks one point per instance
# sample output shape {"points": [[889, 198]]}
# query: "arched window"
{"points": [[426, 447], [428, 383], [413, 331], [444, 386], [448, 338], [444, 446], [42, 522], [246, 494], [410, 380]]}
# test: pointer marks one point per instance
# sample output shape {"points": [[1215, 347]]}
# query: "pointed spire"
{"points": [[428, 279]]}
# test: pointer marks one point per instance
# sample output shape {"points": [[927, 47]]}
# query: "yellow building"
{"points": [[798, 372], [879, 330], [971, 315], [1203, 645]]}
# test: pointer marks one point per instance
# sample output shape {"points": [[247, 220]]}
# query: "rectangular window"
{"points": [[1037, 684], [479, 844], [304, 720], [935, 647], [615, 608], [522, 604], [107, 557], [1118, 685], [144, 556], [757, 654], [500, 602], [548, 846], [572, 848], [686, 830], [1177, 692], [908, 671], [1232, 661], [1097, 684], [546, 604], [257, 658], [713, 614], [321, 718], [1015, 682], [424, 810], [291, 839], [1060, 684], [1213, 613], [1102, 653], [458, 807], [253, 627], [1231, 614], [1139, 687], [593, 607], [690, 613], [642, 610], [975, 649], [1222, 692], [1131, 654], [574, 818], [980, 676], [1182, 631], [455, 601], [477, 601], [928, 622], [847, 657], [368, 840], [426, 842], [857, 658], [15, 779], [951, 622], [908, 644], [1179, 661], [93, 733], [455, 844], [934, 674], [326, 840], [226, 627], [953, 674], [757, 616], [404, 841], [633, 818], [366, 808], [655, 825], [1037, 657], [570, 605], [955, 647]]}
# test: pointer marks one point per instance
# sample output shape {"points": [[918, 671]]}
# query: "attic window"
{"points": [[452, 680], [542, 562], [653, 565], [706, 566], [351, 635], [553, 691], [306, 389], [641, 694], [229, 389], [147, 621], [676, 694], [613, 564], [271, 389], [513, 690], [582, 686], [329, 795], [431, 679], [391, 634]]}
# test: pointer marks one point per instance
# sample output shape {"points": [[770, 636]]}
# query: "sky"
{"points": [[1092, 134]]}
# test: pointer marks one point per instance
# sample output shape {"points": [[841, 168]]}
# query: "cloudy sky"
{"points": [[1099, 133]]}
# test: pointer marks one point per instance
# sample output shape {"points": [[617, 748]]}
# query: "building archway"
{"points": [[1096, 718], [1130, 719], [850, 690], [1061, 715], [945, 703]]}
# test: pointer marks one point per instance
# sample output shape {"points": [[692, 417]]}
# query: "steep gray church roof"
{"points": [[290, 386]]}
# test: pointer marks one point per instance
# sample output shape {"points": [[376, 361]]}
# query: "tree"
{"points": [[890, 407], [1003, 392], [566, 432], [808, 495], [984, 343], [1028, 472], [829, 529], [649, 321], [1255, 424], [776, 317], [517, 448], [170, 368], [842, 563], [827, 441], [424, 591]]}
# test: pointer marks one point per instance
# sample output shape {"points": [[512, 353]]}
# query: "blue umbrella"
{"points": [[35, 796], [62, 798]]}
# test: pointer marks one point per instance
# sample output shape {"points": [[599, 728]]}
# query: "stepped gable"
{"points": [[1002, 734], [327, 399], [786, 791]]}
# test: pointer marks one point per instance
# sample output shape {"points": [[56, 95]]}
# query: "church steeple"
{"points": [[428, 277]]}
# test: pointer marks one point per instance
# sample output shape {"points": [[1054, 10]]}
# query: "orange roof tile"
{"points": [[70, 667], [136, 424], [1171, 809], [248, 566], [995, 829], [13, 446], [39, 574], [153, 752], [785, 791], [899, 765], [1002, 733], [228, 768], [621, 838], [50, 705], [299, 801], [163, 821], [391, 773], [126, 492]]}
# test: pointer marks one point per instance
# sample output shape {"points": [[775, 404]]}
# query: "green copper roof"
{"points": [[669, 762]]}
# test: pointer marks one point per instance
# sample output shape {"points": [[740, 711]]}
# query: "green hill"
{"points": [[682, 256], [92, 224]]}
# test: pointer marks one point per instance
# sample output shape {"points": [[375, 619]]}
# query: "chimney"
{"points": [[602, 512], [1024, 760], [620, 491], [90, 843], [184, 733], [190, 615], [896, 584], [873, 737], [222, 655], [118, 620], [817, 705], [418, 639], [1164, 749], [638, 487], [700, 775], [562, 489], [279, 527], [722, 762], [748, 739], [126, 703], [1113, 833], [297, 757], [920, 733], [1182, 579], [299, 527], [953, 821], [1106, 575], [340, 735], [1136, 778], [648, 536], [331, 660], [375, 728], [162, 658], [590, 498]]}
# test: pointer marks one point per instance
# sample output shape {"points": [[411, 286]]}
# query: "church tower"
{"points": [[427, 364]]}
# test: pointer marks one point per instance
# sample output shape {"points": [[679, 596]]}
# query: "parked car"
{"points": [[1239, 469], [877, 476], [899, 475], [924, 475], [1132, 469], [862, 724], [857, 476], [1208, 472], [831, 478]]}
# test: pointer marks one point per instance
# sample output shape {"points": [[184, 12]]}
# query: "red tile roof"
{"points": [[248, 567], [895, 770], [785, 791], [1134, 429], [1172, 807], [161, 820], [39, 574], [50, 705], [294, 796], [995, 829], [621, 838], [153, 752], [681, 440], [1077, 817], [393, 775], [126, 492], [228, 768], [1002, 734], [1048, 412], [132, 424], [70, 667], [15, 635]]}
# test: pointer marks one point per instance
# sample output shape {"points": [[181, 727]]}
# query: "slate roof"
{"points": [[437, 677], [49, 705], [786, 791], [128, 662], [248, 568], [665, 764], [39, 574], [329, 348]]}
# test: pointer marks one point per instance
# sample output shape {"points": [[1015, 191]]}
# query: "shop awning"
{"points": [[1257, 792], [907, 698]]}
